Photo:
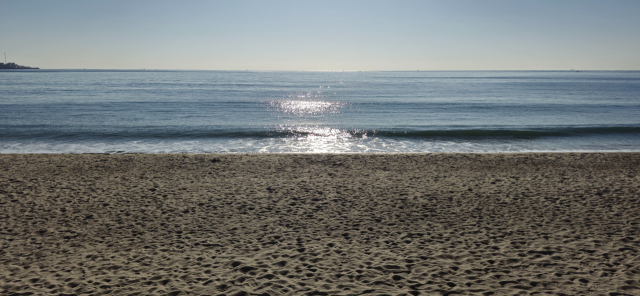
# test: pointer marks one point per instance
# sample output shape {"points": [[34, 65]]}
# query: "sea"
{"points": [[143, 111]]}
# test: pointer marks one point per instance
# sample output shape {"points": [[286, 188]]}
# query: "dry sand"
{"points": [[281, 224]]}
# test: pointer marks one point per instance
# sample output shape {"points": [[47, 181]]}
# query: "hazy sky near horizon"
{"points": [[322, 35]]}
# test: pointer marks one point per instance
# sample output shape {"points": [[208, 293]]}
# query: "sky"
{"points": [[322, 35]]}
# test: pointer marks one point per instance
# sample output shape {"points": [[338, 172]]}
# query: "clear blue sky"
{"points": [[322, 35]]}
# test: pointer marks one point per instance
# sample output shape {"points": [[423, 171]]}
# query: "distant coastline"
{"points": [[15, 66]]}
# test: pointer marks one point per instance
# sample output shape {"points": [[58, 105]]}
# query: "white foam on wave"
{"points": [[327, 144]]}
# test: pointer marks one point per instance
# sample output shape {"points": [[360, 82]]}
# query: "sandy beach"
{"points": [[320, 224]]}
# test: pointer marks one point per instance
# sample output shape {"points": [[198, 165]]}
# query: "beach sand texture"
{"points": [[320, 224]]}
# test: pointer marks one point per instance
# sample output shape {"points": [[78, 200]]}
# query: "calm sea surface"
{"points": [[69, 111]]}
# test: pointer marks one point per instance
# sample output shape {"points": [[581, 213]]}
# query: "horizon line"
{"points": [[249, 70]]}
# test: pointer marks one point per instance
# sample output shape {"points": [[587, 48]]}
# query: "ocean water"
{"points": [[101, 111]]}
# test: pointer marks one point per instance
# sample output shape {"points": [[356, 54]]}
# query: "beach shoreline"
{"points": [[320, 224]]}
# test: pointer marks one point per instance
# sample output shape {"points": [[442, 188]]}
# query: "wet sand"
{"points": [[283, 224]]}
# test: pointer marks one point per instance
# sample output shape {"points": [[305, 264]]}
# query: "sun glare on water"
{"points": [[304, 135], [316, 139], [306, 103]]}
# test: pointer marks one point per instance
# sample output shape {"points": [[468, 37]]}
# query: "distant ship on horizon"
{"points": [[15, 66]]}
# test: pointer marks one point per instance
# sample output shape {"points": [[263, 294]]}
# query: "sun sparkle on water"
{"points": [[306, 103], [311, 104]]}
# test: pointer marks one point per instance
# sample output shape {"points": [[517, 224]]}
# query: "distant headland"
{"points": [[14, 66]]}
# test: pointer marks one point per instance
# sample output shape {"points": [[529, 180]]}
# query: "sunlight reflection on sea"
{"points": [[305, 103]]}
